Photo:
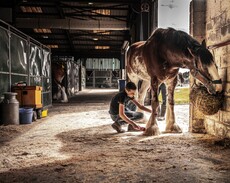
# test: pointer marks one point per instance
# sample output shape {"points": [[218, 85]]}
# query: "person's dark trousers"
{"points": [[162, 89], [130, 112], [162, 109], [135, 116]]}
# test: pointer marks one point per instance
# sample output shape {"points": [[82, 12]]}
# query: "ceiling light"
{"points": [[102, 47], [101, 32], [42, 30], [52, 46], [102, 12], [90, 3], [95, 39], [31, 9]]}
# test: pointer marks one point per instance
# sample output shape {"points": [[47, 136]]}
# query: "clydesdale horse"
{"points": [[158, 60]]}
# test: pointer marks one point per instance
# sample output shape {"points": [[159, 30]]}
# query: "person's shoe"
{"points": [[131, 129], [118, 128]]}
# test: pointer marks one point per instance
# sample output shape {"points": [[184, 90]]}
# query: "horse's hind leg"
{"points": [[142, 91], [133, 77], [171, 125]]}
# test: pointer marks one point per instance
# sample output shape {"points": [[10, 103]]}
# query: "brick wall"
{"points": [[210, 20]]}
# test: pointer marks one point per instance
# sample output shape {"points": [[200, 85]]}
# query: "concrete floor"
{"points": [[76, 143]]}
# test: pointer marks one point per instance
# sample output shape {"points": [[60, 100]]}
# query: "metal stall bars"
{"points": [[24, 60], [66, 76]]}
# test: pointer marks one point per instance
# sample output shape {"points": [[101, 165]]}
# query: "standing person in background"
{"points": [[162, 108]]}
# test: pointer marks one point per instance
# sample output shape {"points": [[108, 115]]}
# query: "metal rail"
{"points": [[218, 45]]}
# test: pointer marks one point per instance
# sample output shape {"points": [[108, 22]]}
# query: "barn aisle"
{"points": [[75, 143], [25, 145]]}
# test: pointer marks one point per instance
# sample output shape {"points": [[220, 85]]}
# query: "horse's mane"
{"points": [[180, 40]]}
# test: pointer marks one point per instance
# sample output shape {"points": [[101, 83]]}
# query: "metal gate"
{"points": [[23, 59]]}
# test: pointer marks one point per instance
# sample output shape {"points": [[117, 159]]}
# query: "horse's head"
{"points": [[58, 71], [205, 69]]}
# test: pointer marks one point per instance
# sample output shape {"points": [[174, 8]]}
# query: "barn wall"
{"points": [[210, 21], [197, 30], [71, 77]]}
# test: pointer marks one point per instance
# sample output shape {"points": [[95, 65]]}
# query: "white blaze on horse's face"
{"points": [[215, 76]]}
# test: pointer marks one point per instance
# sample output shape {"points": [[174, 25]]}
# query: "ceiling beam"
{"points": [[82, 37], [76, 14], [89, 34], [54, 38], [70, 24], [94, 1], [65, 43], [60, 10], [78, 6], [85, 54]]}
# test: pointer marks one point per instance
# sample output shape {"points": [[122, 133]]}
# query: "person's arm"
{"points": [[125, 118], [141, 106]]}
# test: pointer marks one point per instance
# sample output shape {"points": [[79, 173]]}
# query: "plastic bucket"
{"points": [[121, 84], [44, 113], [25, 115]]}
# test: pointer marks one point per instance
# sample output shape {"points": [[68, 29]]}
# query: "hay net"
{"points": [[205, 102]]}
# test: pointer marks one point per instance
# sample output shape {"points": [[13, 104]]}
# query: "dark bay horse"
{"points": [[58, 89], [158, 60]]}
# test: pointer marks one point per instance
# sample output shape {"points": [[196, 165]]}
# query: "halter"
{"points": [[197, 71], [209, 81]]}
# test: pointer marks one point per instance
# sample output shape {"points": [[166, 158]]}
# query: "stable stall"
{"points": [[66, 77], [26, 62]]}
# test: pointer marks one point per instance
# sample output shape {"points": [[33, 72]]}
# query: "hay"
{"points": [[206, 103]]}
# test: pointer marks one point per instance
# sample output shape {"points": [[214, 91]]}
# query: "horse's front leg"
{"points": [[141, 98], [171, 126], [152, 126]]}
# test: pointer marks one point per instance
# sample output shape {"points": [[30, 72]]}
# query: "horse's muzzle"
{"points": [[211, 88], [219, 81]]}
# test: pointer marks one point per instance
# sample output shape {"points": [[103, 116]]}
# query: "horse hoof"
{"points": [[152, 131], [167, 131], [173, 129]]}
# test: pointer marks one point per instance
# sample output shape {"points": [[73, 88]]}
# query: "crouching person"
{"points": [[123, 109]]}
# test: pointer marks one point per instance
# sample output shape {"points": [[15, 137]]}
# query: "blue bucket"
{"points": [[121, 84], [25, 115]]}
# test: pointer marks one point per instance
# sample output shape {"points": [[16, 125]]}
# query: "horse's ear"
{"points": [[203, 43], [190, 51]]}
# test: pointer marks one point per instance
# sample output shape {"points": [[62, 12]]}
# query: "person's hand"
{"points": [[141, 128], [137, 127]]}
